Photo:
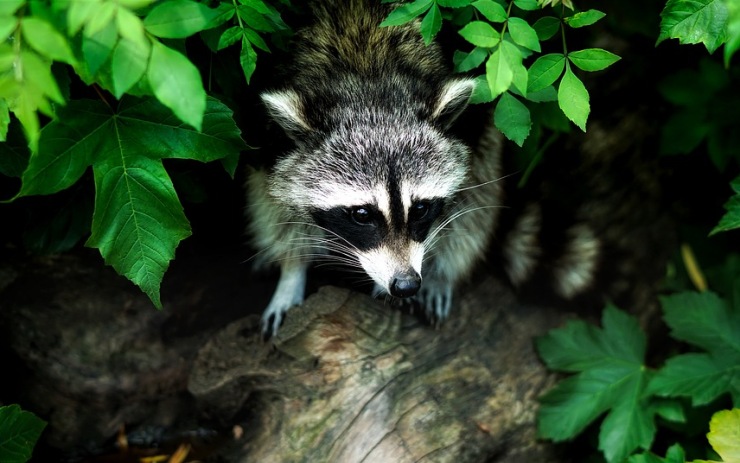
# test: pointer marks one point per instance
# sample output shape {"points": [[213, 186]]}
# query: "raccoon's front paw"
{"points": [[274, 314], [436, 300]]}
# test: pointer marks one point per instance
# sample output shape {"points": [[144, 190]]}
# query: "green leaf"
{"points": [[177, 84], [523, 34], [609, 363], [545, 70], [472, 60], [546, 27], [482, 91], [19, 431], [431, 24], [177, 19], [46, 40], [97, 48], [98, 19], [454, 3], [128, 65], [406, 12], [248, 59], [480, 34], [491, 10], [703, 320], [255, 19], [708, 322], [229, 37], [695, 21], [9, 7], [498, 72], [684, 131], [731, 219], [513, 55], [7, 25], [512, 118], [583, 18], [138, 220], [573, 99], [527, 5], [733, 31], [255, 39], [724, 434], [592, 59]]}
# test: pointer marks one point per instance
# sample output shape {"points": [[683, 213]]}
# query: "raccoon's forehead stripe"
{"points": [[329, 196]]}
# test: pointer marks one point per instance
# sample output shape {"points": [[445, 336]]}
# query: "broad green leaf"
{"points": [[523, 34], [19, 431], [46, 40], [7, 26], [431, 24], [708, 322], [513, 55], [4, 123], [545, 71], [724, 434], [684, 131], [248, 59], [592, 59], [229, 37], [491, 10], [498, 73], [703, 320], [609, 363], [177, 19], [131, 28], [731, 219], [702, 377], [583, 18], [674, 454], [39, 79], [472, 60], [696, 21], [9, 7], [14, 152], [481, 92], [255, 39], [177, 84], [406, 12], [546, 27], [733, 31], [79, 13], [629, 425], [512, 118], [101, 17], [128, 65], [527, 5], [255, 19], [573, 99], [97, 48], [454, 3], [137, 221], [480, 34]]}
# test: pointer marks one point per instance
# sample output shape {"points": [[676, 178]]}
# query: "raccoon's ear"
{"points": [[286, 108], [452, 100]]}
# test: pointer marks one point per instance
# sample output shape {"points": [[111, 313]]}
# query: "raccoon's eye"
{"points": [[361, 215], [418, 211]]}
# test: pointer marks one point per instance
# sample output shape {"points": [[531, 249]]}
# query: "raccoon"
{"points": [[374, 177], [379, 176]]}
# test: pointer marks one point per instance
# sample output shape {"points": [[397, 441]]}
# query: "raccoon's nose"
{"points": [[405, 284]]}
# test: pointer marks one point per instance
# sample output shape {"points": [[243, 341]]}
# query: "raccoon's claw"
{"points": [[436, 301], [270, 324]]}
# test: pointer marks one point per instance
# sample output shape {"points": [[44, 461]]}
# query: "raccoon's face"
{"points": [[377, 183]]}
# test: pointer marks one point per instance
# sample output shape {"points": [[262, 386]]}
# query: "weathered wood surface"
{"points": [[349, 379]]}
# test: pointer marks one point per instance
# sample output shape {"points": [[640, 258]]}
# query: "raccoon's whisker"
{"points": [[478, 185]]}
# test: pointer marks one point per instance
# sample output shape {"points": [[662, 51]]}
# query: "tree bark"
{"points": [[350, 379]]}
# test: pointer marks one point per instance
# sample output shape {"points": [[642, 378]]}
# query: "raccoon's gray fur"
{"points": [[373, 175]]}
